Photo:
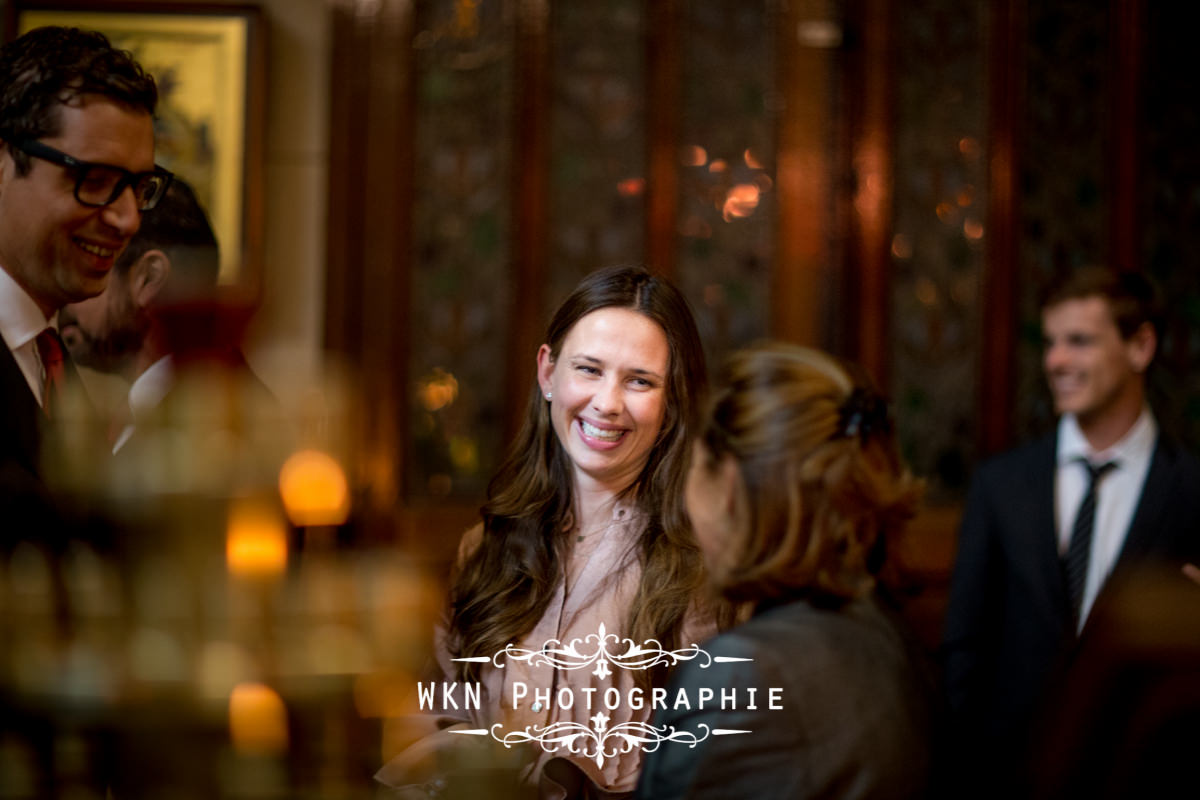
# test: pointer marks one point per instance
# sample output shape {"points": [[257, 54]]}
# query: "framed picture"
{"points": [[207, 61]]}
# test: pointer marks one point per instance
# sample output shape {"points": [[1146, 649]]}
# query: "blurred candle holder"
{"points": [[222, 638]]}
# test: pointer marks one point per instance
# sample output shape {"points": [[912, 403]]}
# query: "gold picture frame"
{"points": [[206, 59]]}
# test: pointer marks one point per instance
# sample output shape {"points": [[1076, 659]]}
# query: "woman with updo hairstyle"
{"points": [[795, 486], [584, 538]]}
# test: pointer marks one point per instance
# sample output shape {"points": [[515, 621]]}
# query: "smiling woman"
{"points": [[608, 396], [584, 531]]}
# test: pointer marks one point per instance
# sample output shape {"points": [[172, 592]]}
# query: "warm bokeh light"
{"points": [[718, 165], [314, 489], [946, 212], [740, 202], [693, 156], [901, 246], [255, 540], [222, 666], [438, 389], [257, 720], [926, 291], [631, 187], [384, 694], [966, 195], [751, 161], [969, 147], [973, 229], [464, 453], [336, 650]]}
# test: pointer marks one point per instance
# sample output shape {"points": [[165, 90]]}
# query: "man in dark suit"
{"points": [[1050, 528], [76, 171]]}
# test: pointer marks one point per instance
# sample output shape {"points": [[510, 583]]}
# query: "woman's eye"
{"points": [[588, 369]]}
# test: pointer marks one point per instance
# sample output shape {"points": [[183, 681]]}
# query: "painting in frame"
{"points": [[205, 60]]}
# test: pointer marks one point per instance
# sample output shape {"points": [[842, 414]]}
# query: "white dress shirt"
{"points": [[1117, 494], [146, 393], [21, 320]]}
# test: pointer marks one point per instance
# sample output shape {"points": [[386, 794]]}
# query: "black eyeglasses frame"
{"points": [[45, 152]]}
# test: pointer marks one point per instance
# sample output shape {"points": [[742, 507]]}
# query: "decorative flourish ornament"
{"points": [[599, 742]]}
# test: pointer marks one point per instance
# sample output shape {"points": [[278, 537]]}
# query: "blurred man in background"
{"points": [[172, 260], [1051, 528]]}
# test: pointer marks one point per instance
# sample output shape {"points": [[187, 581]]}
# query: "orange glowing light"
{"points": [[973, 229], [751, 161], [384, 694], [693, 156], [718, 165], [438, 389], [945, 212], [764, 182], [257, 720], [969, 147], [901, 246], [314, 489], [631, 187], [255, 540], [740, 202]]}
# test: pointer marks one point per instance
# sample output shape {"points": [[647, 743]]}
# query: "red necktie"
{"points": [[50, 348]]}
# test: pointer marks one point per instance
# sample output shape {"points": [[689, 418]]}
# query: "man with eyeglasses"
{"points": [[76, 171]]}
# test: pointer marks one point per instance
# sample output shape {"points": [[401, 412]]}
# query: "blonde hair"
{"points": [[823, 481]]}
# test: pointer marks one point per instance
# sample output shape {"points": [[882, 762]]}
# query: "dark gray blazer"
{"points": [[857, 718]]}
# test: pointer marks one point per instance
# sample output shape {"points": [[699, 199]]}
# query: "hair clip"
{"points": [[863, 414]]}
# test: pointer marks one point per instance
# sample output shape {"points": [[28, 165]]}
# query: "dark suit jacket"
{"points": [[857, 718], [29, 509], [1008, 625], [20, 416], [24, 500]]}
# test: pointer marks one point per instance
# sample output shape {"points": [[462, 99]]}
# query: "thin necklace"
{"points": [[579, 537], [618, 517]]}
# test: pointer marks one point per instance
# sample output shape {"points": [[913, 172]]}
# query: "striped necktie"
{"points": [[1080, 549]]}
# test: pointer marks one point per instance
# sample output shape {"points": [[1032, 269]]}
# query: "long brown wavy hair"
{"points": [[501, 590], [822, 478]]}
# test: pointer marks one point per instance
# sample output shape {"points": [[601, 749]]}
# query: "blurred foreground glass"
{"points": [[229, 638]]}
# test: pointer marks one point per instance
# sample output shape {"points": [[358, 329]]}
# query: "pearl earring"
{"points": [[549, 395]]}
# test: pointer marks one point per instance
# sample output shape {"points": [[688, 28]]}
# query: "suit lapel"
{"points": [[20, 415], [1041, 484]]}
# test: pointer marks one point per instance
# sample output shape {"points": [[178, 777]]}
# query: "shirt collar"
{"points": [[1138, 441], [151, 386], [20, 317]]}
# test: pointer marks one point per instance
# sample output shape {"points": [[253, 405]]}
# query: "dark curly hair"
{"points": [[53, 66]]}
